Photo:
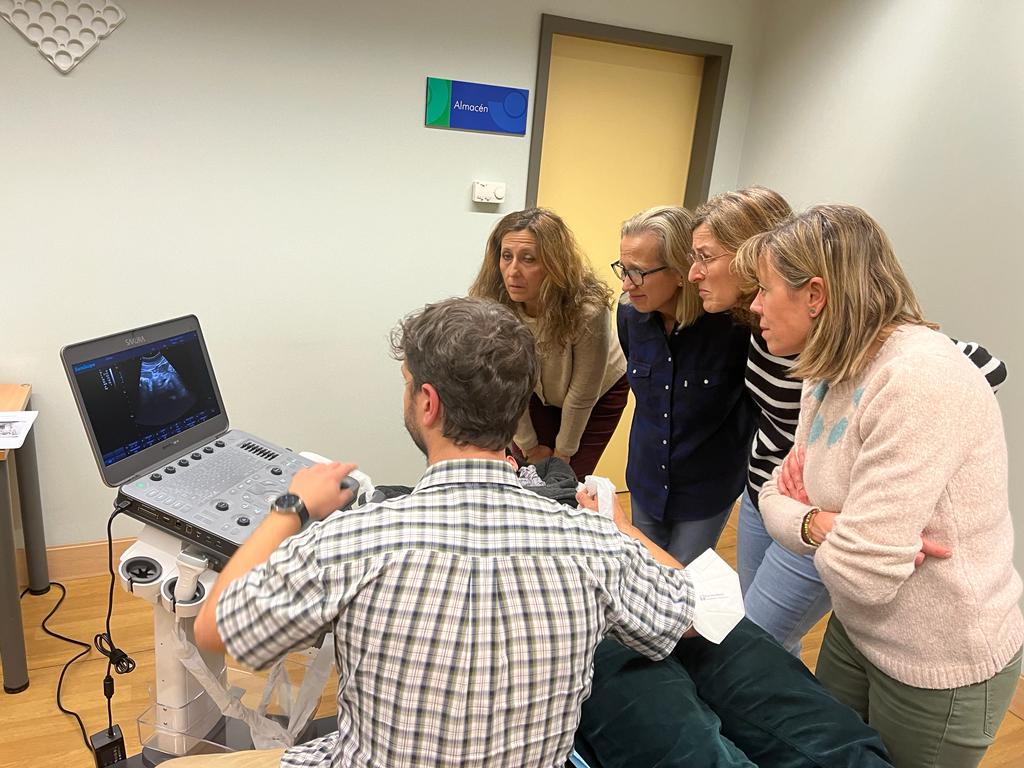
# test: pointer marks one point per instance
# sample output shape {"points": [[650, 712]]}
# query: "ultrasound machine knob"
{"points": [[182, 462], [278, 470], [222, 506], [169, 470], [197, 455], [207, 449], [243, 520], [154, 476], [219, 443]]}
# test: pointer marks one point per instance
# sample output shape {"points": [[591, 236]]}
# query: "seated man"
{"points": [[466, 614]]}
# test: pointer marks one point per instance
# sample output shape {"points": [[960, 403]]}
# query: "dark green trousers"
{"points": [[742, 703]]}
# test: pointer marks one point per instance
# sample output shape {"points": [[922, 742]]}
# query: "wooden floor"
{"points": [[33, 731]]}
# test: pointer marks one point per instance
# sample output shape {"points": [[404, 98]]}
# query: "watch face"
{"points": [[287, 501]]}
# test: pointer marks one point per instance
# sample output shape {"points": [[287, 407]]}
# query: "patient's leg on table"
{"points": [[644, 713], [772, 707]]}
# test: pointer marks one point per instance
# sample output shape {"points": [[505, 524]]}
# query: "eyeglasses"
{"points": [[636, 276], [701, 261]]}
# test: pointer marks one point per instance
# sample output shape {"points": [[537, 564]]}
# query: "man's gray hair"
{"points": [[482, 360]]}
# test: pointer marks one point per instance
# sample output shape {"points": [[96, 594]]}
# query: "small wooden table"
{"points": [[19, 482]]}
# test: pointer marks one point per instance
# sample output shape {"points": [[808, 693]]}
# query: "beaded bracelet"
{"points": [[805, 529]]}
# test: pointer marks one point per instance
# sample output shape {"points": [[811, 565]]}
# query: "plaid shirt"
{"points": [[465, 618]]}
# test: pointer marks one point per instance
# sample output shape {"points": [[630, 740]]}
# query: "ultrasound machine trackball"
{"points": [[159, 430]]}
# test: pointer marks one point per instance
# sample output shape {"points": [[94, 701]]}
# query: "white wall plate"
{"points": [[63, 32], [488, 191]]}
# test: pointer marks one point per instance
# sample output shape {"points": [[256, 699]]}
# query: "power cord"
{"points": [[107, 746], [73, 641]]}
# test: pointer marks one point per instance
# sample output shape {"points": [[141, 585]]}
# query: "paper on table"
{"points": [[719, 605], [14, 427]]}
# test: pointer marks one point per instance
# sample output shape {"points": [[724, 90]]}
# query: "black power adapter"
{"points": [[108, 746]]}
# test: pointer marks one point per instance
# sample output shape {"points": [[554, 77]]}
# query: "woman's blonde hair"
{"points": [[735, 217], [672, 225], [867, 293], [569, 286]]}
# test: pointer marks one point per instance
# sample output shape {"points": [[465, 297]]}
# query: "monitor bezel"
{"points": [[144, 461]]}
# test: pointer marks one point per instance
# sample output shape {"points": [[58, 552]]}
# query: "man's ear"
{"points": [[817, 298], [431, 407]]}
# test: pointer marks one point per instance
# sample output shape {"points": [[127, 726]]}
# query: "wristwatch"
{"points": [[291, 504]]}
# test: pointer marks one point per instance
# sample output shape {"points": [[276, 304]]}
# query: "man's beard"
{"points": [[414, 432]]}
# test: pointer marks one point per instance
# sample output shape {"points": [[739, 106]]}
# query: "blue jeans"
{"points": [[782, 592], [684, 539]]}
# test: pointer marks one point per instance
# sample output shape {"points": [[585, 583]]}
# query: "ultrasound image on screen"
{"points": [[140, 397], [163, 396]]}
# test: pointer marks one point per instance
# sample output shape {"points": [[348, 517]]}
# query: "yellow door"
{"points": [[618, 130]]}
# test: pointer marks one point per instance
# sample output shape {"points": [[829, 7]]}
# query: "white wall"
{"points": [[913, 110], [270, 172]]}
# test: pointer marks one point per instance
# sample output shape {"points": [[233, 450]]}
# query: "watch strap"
{"points": [[297, 508]]}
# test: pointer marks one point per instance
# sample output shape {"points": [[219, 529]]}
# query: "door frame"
{"points": [[709, 105]]}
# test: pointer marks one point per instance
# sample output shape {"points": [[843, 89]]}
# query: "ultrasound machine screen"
{"points": [[142, 396]]}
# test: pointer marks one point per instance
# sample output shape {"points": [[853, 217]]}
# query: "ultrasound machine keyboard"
{"points": [[198, 473], [218, 493]]}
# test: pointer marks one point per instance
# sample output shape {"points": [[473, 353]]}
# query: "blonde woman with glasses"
{"points": [[533, 264], [900, 460], [692, 423]]}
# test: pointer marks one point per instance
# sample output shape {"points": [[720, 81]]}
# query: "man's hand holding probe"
{"points": [[319, 487]]}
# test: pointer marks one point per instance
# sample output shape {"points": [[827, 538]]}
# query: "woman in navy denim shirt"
{"points": [[693, 422]]}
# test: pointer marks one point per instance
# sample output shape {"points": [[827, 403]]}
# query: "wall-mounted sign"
{"points": [[476, 106]]}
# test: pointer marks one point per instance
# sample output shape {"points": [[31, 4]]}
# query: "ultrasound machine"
{"points": [[159, 432]]}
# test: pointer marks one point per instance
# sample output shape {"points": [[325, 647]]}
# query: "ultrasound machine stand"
{"points": [[184, 713], [164, 570]]}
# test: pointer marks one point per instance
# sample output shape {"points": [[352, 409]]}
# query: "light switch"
{"points": [[488, 191]]}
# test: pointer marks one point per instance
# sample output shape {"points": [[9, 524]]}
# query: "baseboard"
{"points": [[1017, 704], [74, 561]]}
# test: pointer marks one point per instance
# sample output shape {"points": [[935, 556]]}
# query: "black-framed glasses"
{"points": [[636, 276], [701, 261]]}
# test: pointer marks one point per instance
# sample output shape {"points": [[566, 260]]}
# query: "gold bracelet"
{"points": [[805, 529]]}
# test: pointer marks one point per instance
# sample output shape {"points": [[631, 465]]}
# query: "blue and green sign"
{"points": [[476, 106]]}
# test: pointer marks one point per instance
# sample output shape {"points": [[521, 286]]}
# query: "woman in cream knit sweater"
{"points": [[897, 484], [533, 264]]}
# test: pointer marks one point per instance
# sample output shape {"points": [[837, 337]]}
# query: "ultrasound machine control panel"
{"points": [[215, 495]]}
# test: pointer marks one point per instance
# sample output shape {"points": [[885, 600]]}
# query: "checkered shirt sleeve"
{"points": [[653, 603], [465, 618]]}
